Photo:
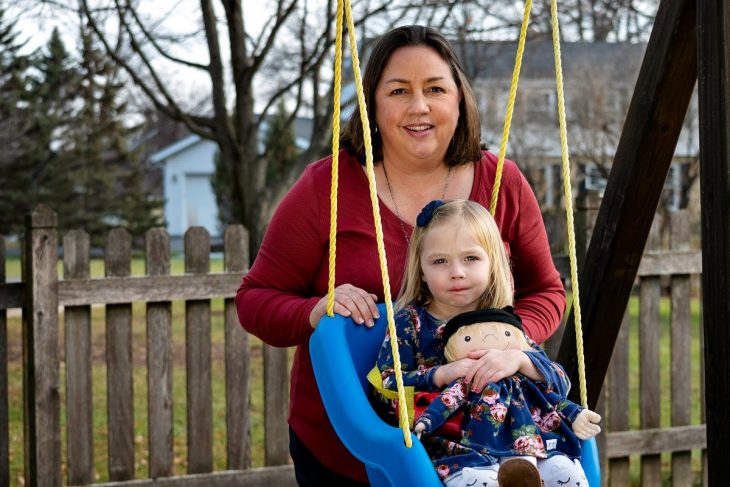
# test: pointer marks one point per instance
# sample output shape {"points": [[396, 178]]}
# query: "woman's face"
{"points": [[417, 105]]}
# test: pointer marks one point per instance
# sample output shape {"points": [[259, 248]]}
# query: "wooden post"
{"points": [[643, 156], [119, 380], [41, 398], [159, 360], [4, 418], [276, 405], [197, 356], [713, 29], [77, 338], [238, 363], [681, 355], [618, 402]]}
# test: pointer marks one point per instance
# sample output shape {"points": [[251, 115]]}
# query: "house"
{"points": [[187, 167], [599, 79]]}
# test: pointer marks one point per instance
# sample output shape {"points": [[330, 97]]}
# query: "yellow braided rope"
{"points": [[510, 106], [402, 411], [567, 193], [335, 163]]}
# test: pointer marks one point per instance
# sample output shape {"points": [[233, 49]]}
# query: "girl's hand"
{"points": [[493, 365], [350, 301], [447, 373]]}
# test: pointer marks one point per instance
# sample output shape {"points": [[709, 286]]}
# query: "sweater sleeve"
{"points": [[539, 292], [275, 298], [420, 377]]}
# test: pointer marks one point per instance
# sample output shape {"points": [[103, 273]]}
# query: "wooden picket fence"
{"points": [[42, 293]]}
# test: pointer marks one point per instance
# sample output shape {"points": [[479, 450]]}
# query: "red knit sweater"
{"points": [[289, 274]]}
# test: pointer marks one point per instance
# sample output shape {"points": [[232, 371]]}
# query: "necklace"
{"points": [[395, 204]]}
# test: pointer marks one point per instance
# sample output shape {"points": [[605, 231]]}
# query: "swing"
{"points": [[343, 353]]}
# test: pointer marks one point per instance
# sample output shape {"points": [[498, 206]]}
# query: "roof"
{"points": [[485, 60], [175, 147]]}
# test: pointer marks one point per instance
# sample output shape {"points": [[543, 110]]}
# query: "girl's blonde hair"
{"points": [[479, 221]]}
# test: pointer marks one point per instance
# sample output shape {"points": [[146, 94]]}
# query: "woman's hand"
{"points": [[350, 301], [494, 365], [447, 373]]}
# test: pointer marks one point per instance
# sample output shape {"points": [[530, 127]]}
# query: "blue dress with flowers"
{"points": [[513, 417]]}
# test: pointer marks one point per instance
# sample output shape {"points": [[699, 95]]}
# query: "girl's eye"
{"points": [[507, 333], [472, 258], [439, 261], [467, 338]]}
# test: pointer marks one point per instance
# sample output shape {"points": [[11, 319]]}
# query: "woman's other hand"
{"points": [[350, 302]]}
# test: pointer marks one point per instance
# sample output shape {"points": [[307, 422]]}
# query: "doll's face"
{"points": [[484, 336]]}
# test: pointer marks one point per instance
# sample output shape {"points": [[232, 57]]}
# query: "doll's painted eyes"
{"points": [[467, 338], [507, 333]]}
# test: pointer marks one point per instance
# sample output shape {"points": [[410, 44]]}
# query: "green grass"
{"points": [[96, 267]]}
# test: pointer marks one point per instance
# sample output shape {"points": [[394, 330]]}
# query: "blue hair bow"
{"points": [[424, 218]]}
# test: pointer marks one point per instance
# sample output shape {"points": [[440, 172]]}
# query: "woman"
{"points": [[425, 128]]}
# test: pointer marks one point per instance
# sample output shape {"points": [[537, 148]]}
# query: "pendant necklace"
{"points": [[395, 204]]}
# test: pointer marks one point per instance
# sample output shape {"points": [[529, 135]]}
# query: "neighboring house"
{"points": [[187, 167], [599, 79]]}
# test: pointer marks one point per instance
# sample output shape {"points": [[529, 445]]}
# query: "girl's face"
{"points": [[417, 105], [455, 267]]}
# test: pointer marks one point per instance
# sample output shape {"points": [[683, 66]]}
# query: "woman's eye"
{"points": [[467, 338], [398, 91], [436, 89]]}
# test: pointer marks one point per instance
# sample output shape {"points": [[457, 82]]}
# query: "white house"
{"points": [[187, 167]]}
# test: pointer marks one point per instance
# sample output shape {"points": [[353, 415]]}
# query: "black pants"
{"points": [[311, 473]]}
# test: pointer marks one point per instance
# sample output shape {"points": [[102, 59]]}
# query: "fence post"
{"points": [[159, 360], [238, 363], [198, 358], [42, 431]]}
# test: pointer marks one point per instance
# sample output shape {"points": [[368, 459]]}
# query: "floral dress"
{"points": [[421, 352], [515, 416]]}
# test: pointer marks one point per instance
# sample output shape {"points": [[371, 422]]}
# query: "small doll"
{"points": [[525, 416]]}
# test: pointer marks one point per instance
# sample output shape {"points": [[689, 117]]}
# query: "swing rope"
{"points": [[568, 198], [402, 411], [510, 106]]}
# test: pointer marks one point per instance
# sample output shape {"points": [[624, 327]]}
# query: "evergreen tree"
{"points": [[110, 183], [14, 122]]}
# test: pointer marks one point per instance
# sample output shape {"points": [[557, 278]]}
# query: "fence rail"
{"points": [[663, 275]]}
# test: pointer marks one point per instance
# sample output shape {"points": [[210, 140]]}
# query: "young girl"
{"points": [[456, 263]]}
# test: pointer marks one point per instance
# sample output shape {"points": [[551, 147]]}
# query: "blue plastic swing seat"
{"points": [[342, 354]]}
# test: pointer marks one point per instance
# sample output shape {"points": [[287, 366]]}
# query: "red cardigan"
{"points": [[289, 274]]}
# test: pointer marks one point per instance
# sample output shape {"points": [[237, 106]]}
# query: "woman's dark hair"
{"points": [[465, 145]]}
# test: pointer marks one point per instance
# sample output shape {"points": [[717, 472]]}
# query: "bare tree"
{"points": [[249, 71]]}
